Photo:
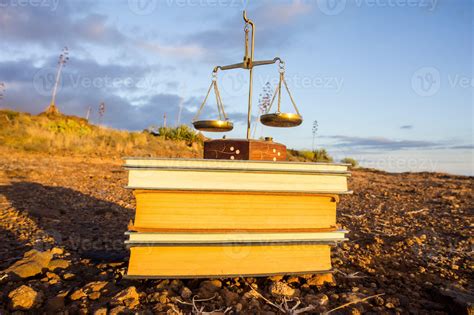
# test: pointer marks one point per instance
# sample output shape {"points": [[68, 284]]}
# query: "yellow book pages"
{"points": [[223, 261], [233, 211]]}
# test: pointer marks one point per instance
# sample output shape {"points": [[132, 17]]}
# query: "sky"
{"points": [[389, 82]]}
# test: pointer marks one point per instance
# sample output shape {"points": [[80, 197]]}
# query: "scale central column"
{"points": [[249, 114]]}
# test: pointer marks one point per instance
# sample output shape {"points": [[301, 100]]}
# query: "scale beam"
{"points": [[243, 66]]}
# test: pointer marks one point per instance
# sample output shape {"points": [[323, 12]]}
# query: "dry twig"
{"points": [[350, 275], [283, 306], [200, 310], [353, 302]]}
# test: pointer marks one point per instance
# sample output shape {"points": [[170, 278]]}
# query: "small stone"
{"points": [[389, 305], [101, 311], [128, 297], [163, 298], [118, 310], [77, 295], [57, 251], [319, 299], [95, 286], [186, 293], [276, 278], [320, 279], [238, 307], [209, 288], [94, 296], [354, 311], [58, 264], [176, 285], [32, 264], [53, 281], [379, 301], [230, 297], [52, 275], [68, 276], [212, 285], [281, 289], [25, 298]]}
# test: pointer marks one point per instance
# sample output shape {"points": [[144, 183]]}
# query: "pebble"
{"points": [[128, 297], [321, 279], [186, 293], [32, 264], [25, 298], [77, 295], [281, 289]]}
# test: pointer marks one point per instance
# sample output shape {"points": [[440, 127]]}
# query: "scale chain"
{"points": [[204, 102], [216, 92], [291, 97], [222, 105]]}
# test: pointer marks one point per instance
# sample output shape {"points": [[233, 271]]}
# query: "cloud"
{"points": [[406, 127], [283, 13], [182, 51], [463, 147], [379, 143], [68, 22]]}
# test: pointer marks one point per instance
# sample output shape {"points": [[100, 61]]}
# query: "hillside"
{"points": [[70, 135], [409, 249]]}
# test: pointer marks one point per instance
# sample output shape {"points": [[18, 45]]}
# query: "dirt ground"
{"points": [[410, 244]]}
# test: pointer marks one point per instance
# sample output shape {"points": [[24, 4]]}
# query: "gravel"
{"points": [[410, 248]]}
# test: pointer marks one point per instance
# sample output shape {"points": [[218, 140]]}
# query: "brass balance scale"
{"points": [[247, 149]]}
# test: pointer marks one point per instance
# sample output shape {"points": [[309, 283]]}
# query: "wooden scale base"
{"points": [[244, 149]]}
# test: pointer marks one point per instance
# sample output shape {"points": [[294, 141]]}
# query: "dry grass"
{"points": [[69, 135]]}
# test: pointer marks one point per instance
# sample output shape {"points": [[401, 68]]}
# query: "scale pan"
{"points": [[213, 125], [281, 120]]}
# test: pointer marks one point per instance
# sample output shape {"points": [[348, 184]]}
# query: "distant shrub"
{"points": [[69, 126], [307, 155], [320, 155], [180, 133], [351, 161]]}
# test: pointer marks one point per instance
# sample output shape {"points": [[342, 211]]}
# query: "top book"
{"points": [[236, 175]]}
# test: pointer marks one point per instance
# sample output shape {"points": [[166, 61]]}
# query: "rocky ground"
{"points": [[62, 221]]}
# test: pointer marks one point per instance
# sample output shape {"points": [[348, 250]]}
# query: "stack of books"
{"points": [[202, 218]]}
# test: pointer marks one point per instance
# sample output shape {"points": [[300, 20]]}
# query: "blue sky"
{"points": [[389, 81]]}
